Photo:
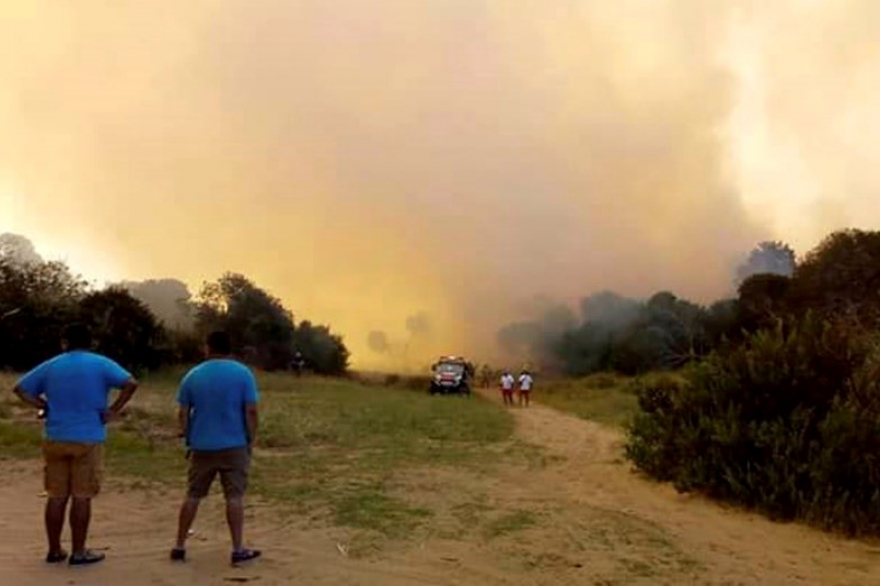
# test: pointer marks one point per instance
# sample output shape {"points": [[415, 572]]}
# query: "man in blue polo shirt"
{"points": [[72, 389], [218, 417]]}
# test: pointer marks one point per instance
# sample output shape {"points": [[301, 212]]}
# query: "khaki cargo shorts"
{"points": [[73, 469], [232, 466]]}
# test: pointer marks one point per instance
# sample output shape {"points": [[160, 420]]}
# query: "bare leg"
{"points": [[187, 515], [80, 515], [235, 519], [54, 517]]}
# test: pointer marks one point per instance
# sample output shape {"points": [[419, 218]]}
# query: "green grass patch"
{"points": [[511, 523], [368, 507], [333, 447], [20, 440], [133, 455], [605, 398]]}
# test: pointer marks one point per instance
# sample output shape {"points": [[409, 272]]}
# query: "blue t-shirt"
{"points": [[75, 385], [216, 393]]}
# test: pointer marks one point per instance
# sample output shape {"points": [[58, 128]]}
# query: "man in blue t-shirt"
{"points": [[72, 390], [218, 417]]}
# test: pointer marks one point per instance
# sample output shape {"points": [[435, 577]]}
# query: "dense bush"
{"points": [[841, 276], [763, 300], [787, 422]]}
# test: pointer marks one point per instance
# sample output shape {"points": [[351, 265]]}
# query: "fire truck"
{"points": [[452, 376]]}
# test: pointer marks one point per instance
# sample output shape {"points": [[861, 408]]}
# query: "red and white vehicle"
{"points": [[451, 376]]}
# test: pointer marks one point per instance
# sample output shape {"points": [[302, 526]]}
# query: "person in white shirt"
{"points": [[507, 383], [525, 387]]}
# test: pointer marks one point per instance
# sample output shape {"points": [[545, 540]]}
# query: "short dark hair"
{"points": [[219, 343], [78, 336]]}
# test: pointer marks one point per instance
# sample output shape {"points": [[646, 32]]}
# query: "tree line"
{"points": [[612, 332], [150, 324]]}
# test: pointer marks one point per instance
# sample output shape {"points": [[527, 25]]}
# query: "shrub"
{"points": [[787, 423]]}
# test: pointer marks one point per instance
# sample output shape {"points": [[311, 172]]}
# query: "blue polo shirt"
{"points": [[75, 385], [216, 393]]}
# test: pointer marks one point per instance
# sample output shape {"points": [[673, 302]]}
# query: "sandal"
{"points": [[86, 558], [245, 555], [56, 557]]}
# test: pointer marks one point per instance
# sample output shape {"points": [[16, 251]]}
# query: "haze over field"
{"points": [[416, 173]]}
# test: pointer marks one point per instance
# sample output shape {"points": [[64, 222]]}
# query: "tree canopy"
{"points": [[146, 324]]}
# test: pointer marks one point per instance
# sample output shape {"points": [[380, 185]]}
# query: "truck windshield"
{"points": [[449, 368]]}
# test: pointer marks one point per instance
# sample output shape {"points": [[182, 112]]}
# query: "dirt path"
{"points": [[640, 531], [584, 519]]}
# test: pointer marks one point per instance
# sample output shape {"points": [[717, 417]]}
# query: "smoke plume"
{"points": [[367, 161]]}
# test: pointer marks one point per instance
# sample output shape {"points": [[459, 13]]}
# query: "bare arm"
{"points": [[182, 421], [251, 418], [127, 391], [38, 402]]}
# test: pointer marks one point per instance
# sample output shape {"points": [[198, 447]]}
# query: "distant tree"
{"points": [[840, 277], [258, 323], [644, 348], [557, 319], [774, 258], [609, 307], [617, 333], [168, 299], [378, 342], [124, 328], [418, 324], [540, 340], [18, 249], [681, 324], [521, 339], [580, 351], [323, 351], [182, 347]]}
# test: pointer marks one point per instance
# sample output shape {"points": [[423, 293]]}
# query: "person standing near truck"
{"points": [[525, 387], [507, 384]]}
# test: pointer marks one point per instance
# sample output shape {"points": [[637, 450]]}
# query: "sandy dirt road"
{"points": [[591, 521]]}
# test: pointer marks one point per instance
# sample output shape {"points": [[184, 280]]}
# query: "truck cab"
{"points": [[451, 376]]}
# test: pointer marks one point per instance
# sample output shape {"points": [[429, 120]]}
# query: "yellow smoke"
{"points": [[369, 161]]}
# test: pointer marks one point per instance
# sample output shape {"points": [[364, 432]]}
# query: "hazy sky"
{"points": [[369, 161]]}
